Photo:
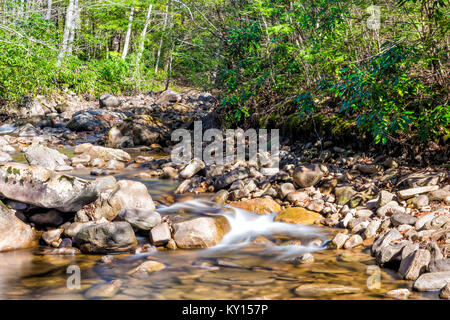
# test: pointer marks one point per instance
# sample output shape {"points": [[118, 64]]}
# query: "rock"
{"points": [[106, 290], [14, 234], [114, 165], [257, 205], [50, 218], [324, 289], [316, 205], [145, 130], [339, 240], [28, 130], [421, 179], [385, 239], [148, 267], [390, 252], [414, 264], [228, 178], [409, 193], [298, 215], [160, 234], [440, 195], [221, 197], [168, 97], [200, 232], [108, 101], [401, 294], [194, 166], [432, 281], [4, 157], [115, 139], [384, 197], [391, 207], [445, 292], [99, 152], [53, 237], [369, 169], [169, 173], [353, 241], [285, 189], [363, 213], [420, 201], [306, 258], [44, 188], [372, 229], [309, 175], [420, 223], [48, 158], [143, 219], [125, 194], [403, 218], [298, 197], [344, 194], [436, 223], [439, 265], [106, 237]]}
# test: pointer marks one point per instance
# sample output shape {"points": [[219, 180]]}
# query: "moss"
{"points": [[68, 178]]}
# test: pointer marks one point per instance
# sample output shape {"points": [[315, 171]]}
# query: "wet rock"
{"points": [[339, 240], [104, 290], [200, 232], [14, 234], [194, 166], [414, 264], [400, 294], [148, 267], [353, 241], [324, 289], [432, 281], [48, 158], [108, 101], [160, 234], [221, 197], [257, 205], [106, 237], [403, 218], [125, 194], [114, 165], [53, 237], [298, 215], [169, 173], [115, 139], [409, 193], [44, 188], [309, 175], [142, 219]]}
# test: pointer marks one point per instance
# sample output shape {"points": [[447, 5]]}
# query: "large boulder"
{"points": [[48, 158], [91, 120], [144, 129], [432, 281], [126, 194], [44, 188], [143, 219], [298, 215], [14, 234], [106, 237], [200, 232], [309, 175], [257, 205]]}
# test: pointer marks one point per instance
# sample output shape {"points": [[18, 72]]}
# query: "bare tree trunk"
{"points": [[48, 14], [143, 33], [67, 30], [75, 25], [128, 36], [162, 38]]}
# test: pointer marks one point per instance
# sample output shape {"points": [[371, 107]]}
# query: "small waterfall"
{"points": [[246, 226]]}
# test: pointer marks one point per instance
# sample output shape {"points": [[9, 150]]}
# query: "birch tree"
{"points": [[67, 30], [158, 55], [128, 36]]}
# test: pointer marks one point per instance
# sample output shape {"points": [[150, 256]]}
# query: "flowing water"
{"points": [[243, 266]]}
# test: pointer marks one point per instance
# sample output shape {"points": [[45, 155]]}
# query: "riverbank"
{"points": [[375, 204]]}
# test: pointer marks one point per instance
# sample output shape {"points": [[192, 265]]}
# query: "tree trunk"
{"points": [[75, 22], [161, 41], [67, 30], [48, 14], [128, 36], [143, 33]]}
